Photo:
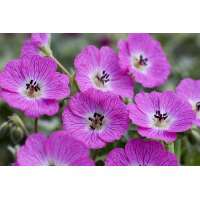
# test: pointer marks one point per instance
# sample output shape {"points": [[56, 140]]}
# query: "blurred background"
{"points": [[183, 52]]}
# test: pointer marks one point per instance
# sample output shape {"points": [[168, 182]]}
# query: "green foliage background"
{"points": [[183, 51]]}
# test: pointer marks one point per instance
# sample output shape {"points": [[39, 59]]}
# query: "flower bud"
{"points": [[16, 134]]}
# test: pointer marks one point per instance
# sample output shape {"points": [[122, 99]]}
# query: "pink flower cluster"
{"points": [[99, 114]]}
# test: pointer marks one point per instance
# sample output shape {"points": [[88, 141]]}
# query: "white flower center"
{"points": [[101, 79], [140, 62], [161, 120], [32, 89]]}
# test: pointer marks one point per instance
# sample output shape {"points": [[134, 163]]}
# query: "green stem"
{"points": [[74, 86], [170, 147], [94, 154], [47, 51], [61, 67], [178, 148], [36, 125]]}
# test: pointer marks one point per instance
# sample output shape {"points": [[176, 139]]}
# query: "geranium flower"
{"points": [[144, 59], [32, 85], [96, 118], [99, 69], [58, 149], [189, 90], [32, 46], [161, 115], [139, 152], [40, 39]]}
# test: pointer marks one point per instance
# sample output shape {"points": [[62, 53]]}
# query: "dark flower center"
{"points": [[32, 88], [96, 122], [161, 120], [198, 106], [160, 116], [102, 79], [51, 163], [141, 61]]}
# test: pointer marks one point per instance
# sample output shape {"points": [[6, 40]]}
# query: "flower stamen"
{"points": [[160, 119], [160, 116], [140, 62], [51, 163], [96, 122], [32, 89], [198, 106], [102, 79]]}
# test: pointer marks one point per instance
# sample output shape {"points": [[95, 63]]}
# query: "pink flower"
{"points": [[96, 118], [161, 115], [144, 59], [189, 90], [139, 152], [99, 69], [40, 39], [29, 49], [32, 85], [32, 46], [58, 149]]}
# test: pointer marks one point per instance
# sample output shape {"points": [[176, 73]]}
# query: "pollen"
{"points": [[140, 62], [32, 89], [96, 122]]}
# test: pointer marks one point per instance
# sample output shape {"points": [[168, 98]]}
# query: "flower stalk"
{"points": [[61, 67], [170, 147], [48, 52], [36, 125], [178, 148]]}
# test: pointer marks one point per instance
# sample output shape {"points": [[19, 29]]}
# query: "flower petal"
{"points": [[33, 152], [157, 134], [57, 88], [117, 157], [138, 117], [64, 150], [32, 108]]}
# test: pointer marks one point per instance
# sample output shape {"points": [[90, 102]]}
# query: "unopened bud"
{"points": [[16, 134], [17, 121]]}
